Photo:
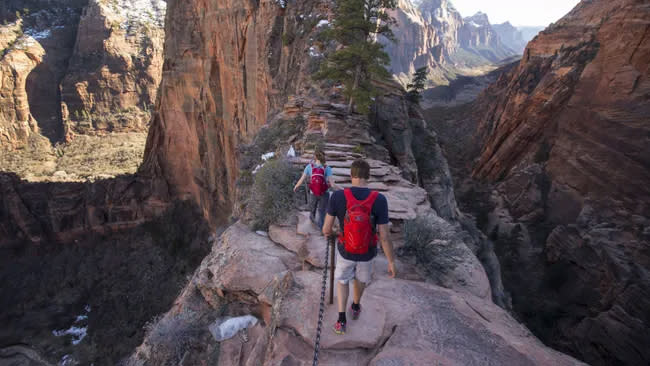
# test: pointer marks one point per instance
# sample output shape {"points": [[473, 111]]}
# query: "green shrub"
{"points": [[288, 38], [272, 197], [418, 232]]}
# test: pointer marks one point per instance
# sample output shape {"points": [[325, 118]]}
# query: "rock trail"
{"points": [[405, 321]]}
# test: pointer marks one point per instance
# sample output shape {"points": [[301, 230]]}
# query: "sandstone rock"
{"points": [[116, 67], [310, 247], [402, 321], [217, 91], [564, 132], [244, 263], [20, 55]]}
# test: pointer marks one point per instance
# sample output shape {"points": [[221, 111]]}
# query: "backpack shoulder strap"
{"points": [[349, 197], [372, 197]]}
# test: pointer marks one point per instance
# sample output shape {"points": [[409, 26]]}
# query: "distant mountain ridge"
{"points": [[516, 37], [433, 33]]}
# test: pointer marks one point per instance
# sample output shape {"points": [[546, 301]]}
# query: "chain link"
{"points": [[321, 310]]}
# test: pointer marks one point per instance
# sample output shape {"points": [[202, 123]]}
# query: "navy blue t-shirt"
{"points": [[337, 207]]}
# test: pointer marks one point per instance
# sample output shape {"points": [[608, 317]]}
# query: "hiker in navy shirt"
{"points": [[366, 213]]}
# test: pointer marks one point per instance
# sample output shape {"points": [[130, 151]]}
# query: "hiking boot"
{"points": [[355, 313], [339, 328]]}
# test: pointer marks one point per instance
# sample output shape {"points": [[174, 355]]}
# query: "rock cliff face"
{"points": [[227, 65], [115, 69], [101, 64], [564, 139], [20, 54], [433, 33]]}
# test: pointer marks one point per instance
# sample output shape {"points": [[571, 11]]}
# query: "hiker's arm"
{"points": [[300, 181], [327, 226], [387, 246], [332, 184]]}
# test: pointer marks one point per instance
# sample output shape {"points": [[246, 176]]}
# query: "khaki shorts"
{"points": [[347, 270]]}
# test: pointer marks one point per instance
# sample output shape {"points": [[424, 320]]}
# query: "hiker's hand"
{"points": [[391, 270], [295, 189]]}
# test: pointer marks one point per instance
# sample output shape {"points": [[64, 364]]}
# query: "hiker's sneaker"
{"points": [[339, 328], [355, 313]]}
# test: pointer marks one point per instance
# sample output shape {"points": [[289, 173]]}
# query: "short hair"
{"points": [[320, 156], [360, 169]]}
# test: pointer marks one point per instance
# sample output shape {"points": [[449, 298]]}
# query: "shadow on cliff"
{"points": [[105, 246]]}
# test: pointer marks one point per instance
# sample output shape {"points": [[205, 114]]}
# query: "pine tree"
{"points": [[360, 58], [415, 87]]}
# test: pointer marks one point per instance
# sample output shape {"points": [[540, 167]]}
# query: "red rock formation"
{"points": [[115, 69], [565, 137], [225, 69], [19, 55]]}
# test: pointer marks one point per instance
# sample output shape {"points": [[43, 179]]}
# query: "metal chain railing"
{"points": [[321, 310]]}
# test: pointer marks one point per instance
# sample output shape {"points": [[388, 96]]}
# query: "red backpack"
{"points": [[358, 232], [318, 183]]}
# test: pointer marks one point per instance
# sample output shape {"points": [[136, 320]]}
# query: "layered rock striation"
{"points": [[563, 139]]}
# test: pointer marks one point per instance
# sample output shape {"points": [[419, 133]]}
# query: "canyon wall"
{"points": [[20, 54], [115, 69], [99, 70], [564, 141], [228, 64]]}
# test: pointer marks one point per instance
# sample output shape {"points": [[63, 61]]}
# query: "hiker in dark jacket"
{"points": [[361, 213], [320, 180]]}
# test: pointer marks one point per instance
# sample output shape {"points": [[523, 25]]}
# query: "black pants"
{"points": [[318, 204]]}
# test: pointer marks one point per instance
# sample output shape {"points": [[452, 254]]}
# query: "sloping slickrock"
{"points": [[310, 247], [244, 262], [436, 324], [403, 322]]}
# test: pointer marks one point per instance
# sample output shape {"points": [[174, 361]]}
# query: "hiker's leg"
{"points": [[322, 208], [362, 277], [343, 273], [342, 291], [313, 205], [357, 290]]}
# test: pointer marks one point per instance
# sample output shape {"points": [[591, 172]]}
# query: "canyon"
{"points": [[535, 187], [558, 151]]}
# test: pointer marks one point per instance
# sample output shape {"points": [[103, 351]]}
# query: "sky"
{"points": [[517, 12]]}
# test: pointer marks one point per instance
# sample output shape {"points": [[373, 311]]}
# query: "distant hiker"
{"points": [[320, 180], [362, 214]]}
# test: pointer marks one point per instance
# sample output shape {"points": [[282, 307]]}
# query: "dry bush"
{"points": [[272, 196]]}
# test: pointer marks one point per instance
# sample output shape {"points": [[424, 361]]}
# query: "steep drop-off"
{"points": [[563, 140]]}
